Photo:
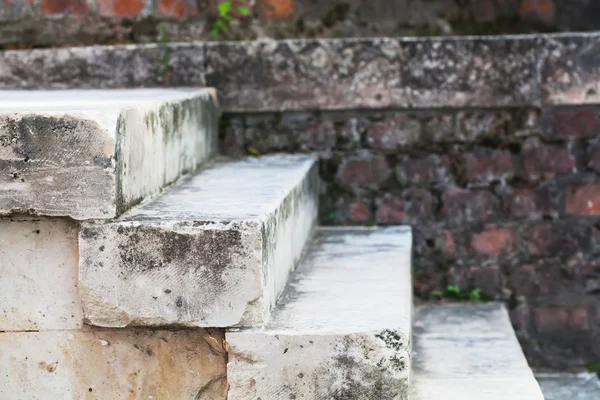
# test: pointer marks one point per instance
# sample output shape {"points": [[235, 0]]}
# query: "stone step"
{"points": [[564, 386], [95, 153], [113, 364], [342, 327], [469, 351], [215, 251]]}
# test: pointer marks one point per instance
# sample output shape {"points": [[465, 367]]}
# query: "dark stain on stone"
{"points": [[101, 248], [89, 233], [179, 302], [149, 352], [286, 350]]}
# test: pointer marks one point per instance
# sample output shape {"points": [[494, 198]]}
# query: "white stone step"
{"points": [[113, 364], [215, 251], [564, 386], [38, 275], [94, 153], [342, 327], [470, 352]]}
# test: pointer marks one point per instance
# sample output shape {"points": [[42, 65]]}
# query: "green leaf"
{"points": [[221, 25], [224, 8], [475, 295], [454, 289], [243, 10], [252, 151], [214, 32]]}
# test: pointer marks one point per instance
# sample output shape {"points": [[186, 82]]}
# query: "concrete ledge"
{"points": [[329, 74], [471, 352], [215, 251], [341, 328], [113, 364], [94, 154]]}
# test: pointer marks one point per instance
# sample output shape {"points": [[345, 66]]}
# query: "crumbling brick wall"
{"points": [[35, 23]]}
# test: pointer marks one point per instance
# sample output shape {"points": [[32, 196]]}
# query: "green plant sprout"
{"points": [[456, 293], [226, 11]]}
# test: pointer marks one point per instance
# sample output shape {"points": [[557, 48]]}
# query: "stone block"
{"points": [[94, 154], [38, 266], [324, 339], [215, 251], [113, 364]]}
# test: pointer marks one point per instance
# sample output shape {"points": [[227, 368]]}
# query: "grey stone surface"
{"points": [[95, 153], [305, 74], [374, 73], [113, 364], [469, 351], [130, 66], [570, 69], [342, 327], [215, 251], [569, 387]]}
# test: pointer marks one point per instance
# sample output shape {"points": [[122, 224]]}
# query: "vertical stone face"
{"points": [[113, 364], [94, 154], [215, 251], [38, 266]]}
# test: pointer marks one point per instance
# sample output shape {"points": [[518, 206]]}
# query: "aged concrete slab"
{"points": [[342, 327], [214, 251], [469, 351], [38, 270], [572, 387], [570, 69], [374, 73], [94, 154], [113, 364], [134, 66]]}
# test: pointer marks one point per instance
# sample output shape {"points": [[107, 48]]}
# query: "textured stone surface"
{"points": [[113, 364], [342, 327], [374, 73], [569, 69], [215, 250], [103, 67], [572, 387], [470, 352], [38, 266], [94, 154]]}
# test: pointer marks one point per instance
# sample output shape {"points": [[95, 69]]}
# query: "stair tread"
{"points": [[351, 280], [246, 189], [93, 154], [469, 351], [214, 251], [342, 327]]}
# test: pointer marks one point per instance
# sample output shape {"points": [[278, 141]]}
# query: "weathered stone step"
{"points": [[468, 351], [94, 153], [215, 251], [113, 364], [342, 327]]}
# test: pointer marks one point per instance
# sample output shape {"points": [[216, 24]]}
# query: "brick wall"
{"points": [[26, 23], [504, 200]]}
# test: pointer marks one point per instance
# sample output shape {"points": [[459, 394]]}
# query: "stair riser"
{"points": [[38, 270], [113, 364]]}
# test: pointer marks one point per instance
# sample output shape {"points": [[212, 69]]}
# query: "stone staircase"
{"points": [[137, 264]]}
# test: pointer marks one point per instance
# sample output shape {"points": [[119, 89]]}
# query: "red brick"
{"points": [[120, 8], [541, 278], [571, 123], [394, 132], [463, 206], [412, 206], [432, 169], [555, 240], [277, 9], [449, 248], [594, 156], [583, 199], [579, 318], [550, 318], [488, 279], [544, 161], [319, 136], [363, 171], [360, 212], [484, 165], [426, 282], [178, 8], [77, 7], [520, 317], [529, 203], [541, 10], [493, 242]]}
